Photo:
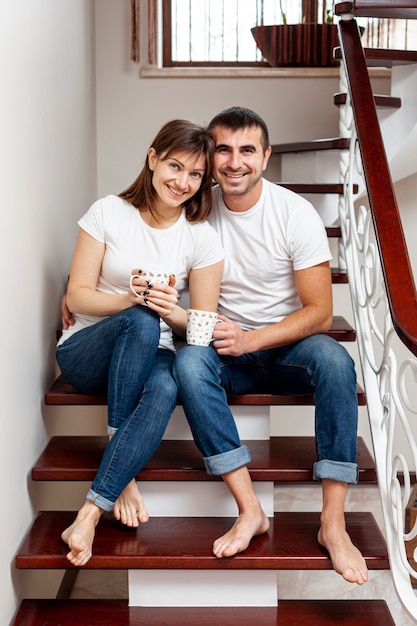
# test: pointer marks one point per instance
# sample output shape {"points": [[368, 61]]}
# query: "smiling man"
{"points": [[275, 304]]}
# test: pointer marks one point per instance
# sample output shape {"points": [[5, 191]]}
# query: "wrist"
{"points": [[251, 341], [169, 315]]}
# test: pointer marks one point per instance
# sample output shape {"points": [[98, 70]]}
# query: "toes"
{"points": [[143, 516]]}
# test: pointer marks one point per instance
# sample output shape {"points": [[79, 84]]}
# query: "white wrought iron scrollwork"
{"points": [[389, 369]]}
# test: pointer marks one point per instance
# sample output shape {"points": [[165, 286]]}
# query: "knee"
{"points": [[165, 387], [333, 358], [190, 362], [184, 362], [143, 322], [341, 359]]}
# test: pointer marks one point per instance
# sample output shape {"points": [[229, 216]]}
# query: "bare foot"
{"points": [[129, 507], [237, 539], [80, 535], [345, 557]]}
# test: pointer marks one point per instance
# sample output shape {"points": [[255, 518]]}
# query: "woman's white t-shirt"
{"points": [[263, 247], [131, 243]]}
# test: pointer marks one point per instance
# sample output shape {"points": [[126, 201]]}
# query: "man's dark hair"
{"points": [[237, 118]]}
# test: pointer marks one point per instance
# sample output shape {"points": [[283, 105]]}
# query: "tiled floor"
{"points": [[297, 584]]}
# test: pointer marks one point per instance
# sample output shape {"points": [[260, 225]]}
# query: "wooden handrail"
{"points": [[396, 267], [401, 9]]}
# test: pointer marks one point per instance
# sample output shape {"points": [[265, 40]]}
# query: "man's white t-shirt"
{"points": [[263, 247], [131, 243]]}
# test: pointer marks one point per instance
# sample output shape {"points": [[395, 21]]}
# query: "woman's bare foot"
{"points": [[237, 539], [129, 507], [345, 557], [80, 535]]}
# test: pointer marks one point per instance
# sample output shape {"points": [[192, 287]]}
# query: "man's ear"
{"points": [[267, 154]]}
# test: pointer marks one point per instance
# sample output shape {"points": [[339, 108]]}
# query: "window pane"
{"points": [[218, 30]]}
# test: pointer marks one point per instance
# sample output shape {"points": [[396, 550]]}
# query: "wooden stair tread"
{"points": [[333, 231], [339, 275], [325, 188], [186, 543], [402, 9], [288, 613], [280, 459], [381, 101], [312, 145], [377, 57], [62, 393], [384, 57]]}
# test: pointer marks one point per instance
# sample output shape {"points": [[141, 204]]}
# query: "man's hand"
{"points": [[229, 338], [66, 315]]}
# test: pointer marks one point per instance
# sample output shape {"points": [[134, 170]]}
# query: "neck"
{"points": [[157, 219], [243, 202]]}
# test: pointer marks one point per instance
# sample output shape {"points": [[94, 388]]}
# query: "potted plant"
{"points": [[309, 43]]}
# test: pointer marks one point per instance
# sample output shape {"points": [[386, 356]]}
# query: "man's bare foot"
{"points": [[129, 507], [80, 535], [239, 536], [345, 557]]}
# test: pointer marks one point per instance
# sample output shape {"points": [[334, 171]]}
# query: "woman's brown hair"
{"points": [[177, 136]]}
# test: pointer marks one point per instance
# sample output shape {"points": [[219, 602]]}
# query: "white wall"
{"points": [[47, 157]]}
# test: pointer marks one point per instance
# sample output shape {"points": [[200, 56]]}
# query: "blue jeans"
{"points": [[316, 365], [120, 355]]}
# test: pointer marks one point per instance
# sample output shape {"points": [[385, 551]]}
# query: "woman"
{"points": [[121, 342]]}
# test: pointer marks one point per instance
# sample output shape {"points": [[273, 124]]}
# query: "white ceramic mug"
{"points": [[151, 277], [200, 326]]}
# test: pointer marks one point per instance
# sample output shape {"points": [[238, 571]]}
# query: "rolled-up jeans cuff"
{"points": [[111, 430], [343, 472], [219, 464], [99, 501]]}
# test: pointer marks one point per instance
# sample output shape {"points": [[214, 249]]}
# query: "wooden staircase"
{"points": [[183, 543], [174, 544]]}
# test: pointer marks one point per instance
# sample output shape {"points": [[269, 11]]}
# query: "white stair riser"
{"points": [[202, 588], [252, 423], [198, 499]]}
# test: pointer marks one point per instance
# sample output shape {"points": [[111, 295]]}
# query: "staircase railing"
{"points": [[384, 305]]}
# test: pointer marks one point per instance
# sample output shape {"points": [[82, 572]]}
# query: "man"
{"points": [[275, 303]]}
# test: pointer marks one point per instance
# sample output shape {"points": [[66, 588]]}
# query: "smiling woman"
{"points": [[121, 338]]}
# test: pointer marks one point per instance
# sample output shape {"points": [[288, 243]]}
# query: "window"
{"points": [[214, 32], [217, 33]]}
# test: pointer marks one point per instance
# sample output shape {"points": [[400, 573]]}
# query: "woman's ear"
{"points": [[152, 158]]}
